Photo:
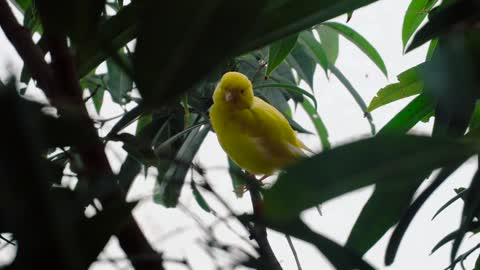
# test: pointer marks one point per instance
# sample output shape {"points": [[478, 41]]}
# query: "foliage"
{"points": [[162, 69]]}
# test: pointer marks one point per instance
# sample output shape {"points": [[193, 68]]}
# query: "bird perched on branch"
{"points": [[253, 133]]}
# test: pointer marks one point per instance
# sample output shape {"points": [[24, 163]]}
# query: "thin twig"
{"points": [[294, 251]]}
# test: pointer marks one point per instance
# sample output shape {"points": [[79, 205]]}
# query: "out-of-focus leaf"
{"points": [[275, 98], [410, 83], [278, 51], [431, 49], [409, 116], [330, 42], [408, 216], [119, 83], [349, 16], [130, 117], [303, 64], [360, 42], [353, 169], [315, 49], [199, 198], [172, 183], [292, 16], [416, 13], [475, 119], [290, 88], [340, 257], [22, 5], [451, 236], [238, 178], [444, 21], [318, 123], [355, 96], [128, 172], [143, 122], [31, 20], [460, 194], [198, 40]]}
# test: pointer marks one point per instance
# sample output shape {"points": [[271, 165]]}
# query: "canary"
{"points": [[253, 133]]}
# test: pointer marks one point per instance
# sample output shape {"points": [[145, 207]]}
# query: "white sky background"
{"points": [[381, 24]]}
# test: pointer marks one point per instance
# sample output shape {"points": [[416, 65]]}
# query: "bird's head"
{"points": [[234, 90]]}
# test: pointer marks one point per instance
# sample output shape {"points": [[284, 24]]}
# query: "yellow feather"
{"points": [[252, 132]]}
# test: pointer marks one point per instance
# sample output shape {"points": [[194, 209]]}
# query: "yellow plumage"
{"points": [[253, 133]]}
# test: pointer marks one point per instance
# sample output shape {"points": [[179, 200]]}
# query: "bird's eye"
{"points": [[241, 91]]}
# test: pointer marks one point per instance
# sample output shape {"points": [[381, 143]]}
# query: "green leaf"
{"points": [[302, 63], [199, 38], [408, 216], [318, 123], [130, 117], [143, 121], [360, 42], [340, 257], [359, 164], [330, 42], [315, 50], [119, 82], [410, 82], [288, 87], [199, 198], [172, 183], [445, 21], [431, 49], [409, 116], [460, 194], [293, 16], [415, 15], [355, 95], [278, 51], [21, 5], [238, 177]]}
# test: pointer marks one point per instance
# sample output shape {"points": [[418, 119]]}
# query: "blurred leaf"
{"points": [[172, 183], [143, 121], [315, 49], [330, 42], [292, 16], [198, 40], [199, 198], [238, 177], [416, 13], [21, 5], [451, 236], [275, 98], [475, 120], [340, 257], [431, 49], [128, 172], [410, 82], [278, 51], [460, 194], [318, 123], [289, 88], [129, 117], [302, 63], [409, 116], [360, 42], [119, 83], [31, 20], [449, 18], [408, 216], [353, 169], [355, 95]]}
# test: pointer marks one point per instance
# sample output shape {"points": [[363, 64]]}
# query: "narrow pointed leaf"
{"points": [[416, 13], [330, 42], [278, 51], [289, 87], [318, 123], [460, 194]]}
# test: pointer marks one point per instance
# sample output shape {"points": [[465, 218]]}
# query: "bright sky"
{"points": [[381, 24]]}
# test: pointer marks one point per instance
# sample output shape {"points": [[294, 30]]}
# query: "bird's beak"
{"points": [[229, 96]]}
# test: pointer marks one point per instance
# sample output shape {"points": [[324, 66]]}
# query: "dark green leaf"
{"points": [[460, 194], [290, 88], [144, 121], [451, 236], [347, 168], [22, 5], [340, 257], [198, 40], [119, 83], [238, 177], [318, 123], [360, 42], [416, 13], [431, 49], [199, 198], [330, 42], [409, 116], [408, 216], [355, 95], [444, 21], [172, 183], [315, 50], [303, 64], [130, 117], [278, 51], [128, 172], [410, 82]]}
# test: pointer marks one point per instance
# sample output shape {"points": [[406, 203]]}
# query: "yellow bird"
{"points": [[253, 133]]}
